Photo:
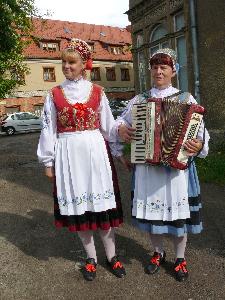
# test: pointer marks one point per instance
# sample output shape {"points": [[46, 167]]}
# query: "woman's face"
{"points": [[72, 67], [162, 75]]}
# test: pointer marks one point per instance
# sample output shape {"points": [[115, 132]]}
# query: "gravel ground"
{"points": [[40, 262]]}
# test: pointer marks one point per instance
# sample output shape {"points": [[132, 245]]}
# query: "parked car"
{"points": [[20, 121]]}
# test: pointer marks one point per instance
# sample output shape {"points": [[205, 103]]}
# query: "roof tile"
{"points": [[61, 31]]}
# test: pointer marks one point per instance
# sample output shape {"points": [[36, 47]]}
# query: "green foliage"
{"points": [[15, 34], [212, 168]]}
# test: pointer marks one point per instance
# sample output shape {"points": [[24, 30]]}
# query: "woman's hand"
{"points": [[125, 162], [50, 172], [193, 146], [126, 133]]}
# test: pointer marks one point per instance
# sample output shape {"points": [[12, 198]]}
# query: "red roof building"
{"points": [[112, 62]]}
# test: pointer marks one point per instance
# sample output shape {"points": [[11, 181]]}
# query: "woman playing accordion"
{"points": [[165, 200]]}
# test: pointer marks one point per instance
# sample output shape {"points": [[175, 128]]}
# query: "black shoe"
{"points": [[116, 267], [180, 269], [156, 260], [89, 270]]}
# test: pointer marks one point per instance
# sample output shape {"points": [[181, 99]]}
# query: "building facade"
{"points": [[196, 30], [112, 63]]}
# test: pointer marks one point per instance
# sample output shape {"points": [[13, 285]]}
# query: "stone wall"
{"points": [[211, 41]]}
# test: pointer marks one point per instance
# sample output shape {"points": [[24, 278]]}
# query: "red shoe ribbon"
{"points": [[117, 265], [90, 268], [182, 267], [155, 260]]}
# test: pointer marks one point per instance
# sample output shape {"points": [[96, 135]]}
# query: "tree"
{"points": [[15, 33]]}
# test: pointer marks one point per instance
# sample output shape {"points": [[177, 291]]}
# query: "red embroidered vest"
{"points": [[78, 116]]}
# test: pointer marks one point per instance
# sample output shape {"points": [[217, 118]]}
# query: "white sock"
{"points": [[180, 245], [157, 242], [108, 239], [87, 240]]}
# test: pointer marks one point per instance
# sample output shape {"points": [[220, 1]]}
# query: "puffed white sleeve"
{"points": [[203, 135], [108, 128], [106, 119], [47, 140], [124, 118]]}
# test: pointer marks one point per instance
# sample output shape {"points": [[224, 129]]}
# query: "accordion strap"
{"points": [[173, 95], [181, 100]]}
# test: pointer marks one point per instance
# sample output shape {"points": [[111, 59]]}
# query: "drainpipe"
{"points": [[194, 48]]}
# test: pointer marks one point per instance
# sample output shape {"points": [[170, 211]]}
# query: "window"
{"points": [[12, 109], [26, 116], [49, 74], [141, 69], [92, 47], [158, 39], [116, 50], [38, 109], [158, 33], [179, 22], [22, 116], [33, 117], [95, 74], [125, 74], [50, 46], [110, 74], [140, 40], [182, 60]]}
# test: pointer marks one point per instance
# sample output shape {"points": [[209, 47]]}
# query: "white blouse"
{"points": [[75, 91]]}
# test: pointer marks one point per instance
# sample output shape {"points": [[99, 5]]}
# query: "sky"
{"points": [[101, 12]]}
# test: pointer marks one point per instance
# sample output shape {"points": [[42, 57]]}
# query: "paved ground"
{"points": [[39, 262]]}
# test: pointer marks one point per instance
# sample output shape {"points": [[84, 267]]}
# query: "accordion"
{"points": [[162, 127]]}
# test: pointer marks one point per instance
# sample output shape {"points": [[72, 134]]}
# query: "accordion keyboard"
{"points": [[138, 144]]}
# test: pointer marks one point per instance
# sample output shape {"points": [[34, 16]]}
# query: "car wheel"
{"points": [[10, 130]]}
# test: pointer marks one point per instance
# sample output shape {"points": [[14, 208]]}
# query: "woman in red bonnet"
{"points": [[76, 122]]}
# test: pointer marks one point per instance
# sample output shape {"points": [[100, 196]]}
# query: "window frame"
{"points": [[49, 80], [98, 74], [158, 43], [127, 74], [186, 66], [114, 73], [174, 21], [46, 46]]}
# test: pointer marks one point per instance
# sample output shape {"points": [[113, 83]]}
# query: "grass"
{"points": [[211, 169]]}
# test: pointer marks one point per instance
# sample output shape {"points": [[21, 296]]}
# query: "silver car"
{"points": [[20, 121]]}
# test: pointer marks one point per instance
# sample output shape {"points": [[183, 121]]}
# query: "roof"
{"points": [[61, 31]]}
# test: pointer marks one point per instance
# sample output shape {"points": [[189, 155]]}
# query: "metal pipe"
{"points": [[194, 48]]}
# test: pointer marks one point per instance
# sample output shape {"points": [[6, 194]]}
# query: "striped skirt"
{"points": [[181, 226]]}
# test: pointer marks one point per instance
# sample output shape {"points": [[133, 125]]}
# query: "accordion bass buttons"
{"points": [[191, 133]]}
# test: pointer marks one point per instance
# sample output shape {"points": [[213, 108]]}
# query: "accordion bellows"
{"points": [[162, 128]]}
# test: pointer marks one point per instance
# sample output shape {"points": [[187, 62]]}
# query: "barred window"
{"points": [[125, 74], [110, 74]]}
